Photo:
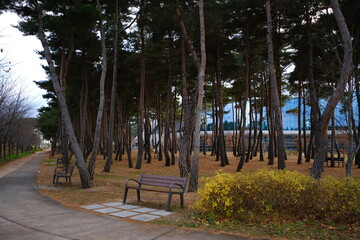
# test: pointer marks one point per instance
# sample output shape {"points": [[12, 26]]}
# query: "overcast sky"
{"points": [[25, 63]]}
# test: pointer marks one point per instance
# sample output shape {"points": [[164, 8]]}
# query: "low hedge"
{"points": [[245, 196]]}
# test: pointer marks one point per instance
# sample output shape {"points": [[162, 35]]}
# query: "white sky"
{"points": [[25, 62]]}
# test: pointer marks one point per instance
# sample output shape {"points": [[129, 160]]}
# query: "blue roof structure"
{"points": [[290, 118]]}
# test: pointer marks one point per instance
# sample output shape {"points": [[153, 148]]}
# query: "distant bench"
{"points": [[164, 184], [337, 159]]}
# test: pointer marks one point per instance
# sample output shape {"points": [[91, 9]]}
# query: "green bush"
{"points": [[244, 196]]}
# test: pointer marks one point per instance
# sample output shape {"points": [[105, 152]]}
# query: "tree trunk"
{"points": [[185, 141], [120, 138], [160, 127], [110, 139], [241, 144], [84, 174], [173, 133], [84, 101], [147, 132], [128, 145], [304, 123], [321, 138], [274, 91], [221, 137], [142, 91], [299, 125], [169, 97], [91, 165], [193, 183], [271, 130]]}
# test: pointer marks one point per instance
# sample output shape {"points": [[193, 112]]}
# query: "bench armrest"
{"points": [[130, 179], [172, 184]]}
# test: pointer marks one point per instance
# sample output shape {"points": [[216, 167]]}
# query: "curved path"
{"points": [[26, 214]]}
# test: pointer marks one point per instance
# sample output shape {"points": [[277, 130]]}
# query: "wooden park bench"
{"points": [[66, 173], [337, 159], [161, 184], [60, 167]]}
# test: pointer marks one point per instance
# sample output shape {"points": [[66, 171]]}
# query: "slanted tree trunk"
{"points": [[85, 178], [274, 90], [321, 138], [95, 148]]}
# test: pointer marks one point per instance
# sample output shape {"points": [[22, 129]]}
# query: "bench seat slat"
{"points": [[161, 184]]}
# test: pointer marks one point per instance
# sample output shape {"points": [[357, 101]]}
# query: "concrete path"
{"points": [[26, 214]]}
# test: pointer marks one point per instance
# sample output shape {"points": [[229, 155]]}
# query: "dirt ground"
{"points": [[109, 186]]}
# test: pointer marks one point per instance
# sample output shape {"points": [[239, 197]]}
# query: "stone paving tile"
{"points": [[93, 206], [124, 214], [145, 217], [161, 213], [107, 210], [118, 209], [126, 206], [144, 210], [113, 204]]}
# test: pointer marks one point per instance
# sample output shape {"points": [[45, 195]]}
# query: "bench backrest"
{"points": [[163, 181], [69, 170]]}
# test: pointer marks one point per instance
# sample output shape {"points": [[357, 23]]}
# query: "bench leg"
{"points": [[138, 194], [182, 200], [70, 181], [125, 195], [168, 202]]}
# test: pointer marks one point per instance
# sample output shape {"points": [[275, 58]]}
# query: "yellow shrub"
{"points": [[243, 195]]}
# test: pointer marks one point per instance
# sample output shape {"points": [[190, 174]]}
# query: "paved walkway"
{"points": [[26, 214]]}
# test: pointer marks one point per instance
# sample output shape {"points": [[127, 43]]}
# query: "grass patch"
{"points": [[109, 187], [13, 157]]}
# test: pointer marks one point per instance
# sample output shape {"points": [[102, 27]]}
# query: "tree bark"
{"points": [[221, 137], [85, 178], [95, 148], [299, 125], [274, 90], [108, 163], [321, 138], [187, 103], [142, 91], [193, 183]]}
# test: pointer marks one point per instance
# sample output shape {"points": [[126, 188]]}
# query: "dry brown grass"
{"points": [[109, 186]]}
